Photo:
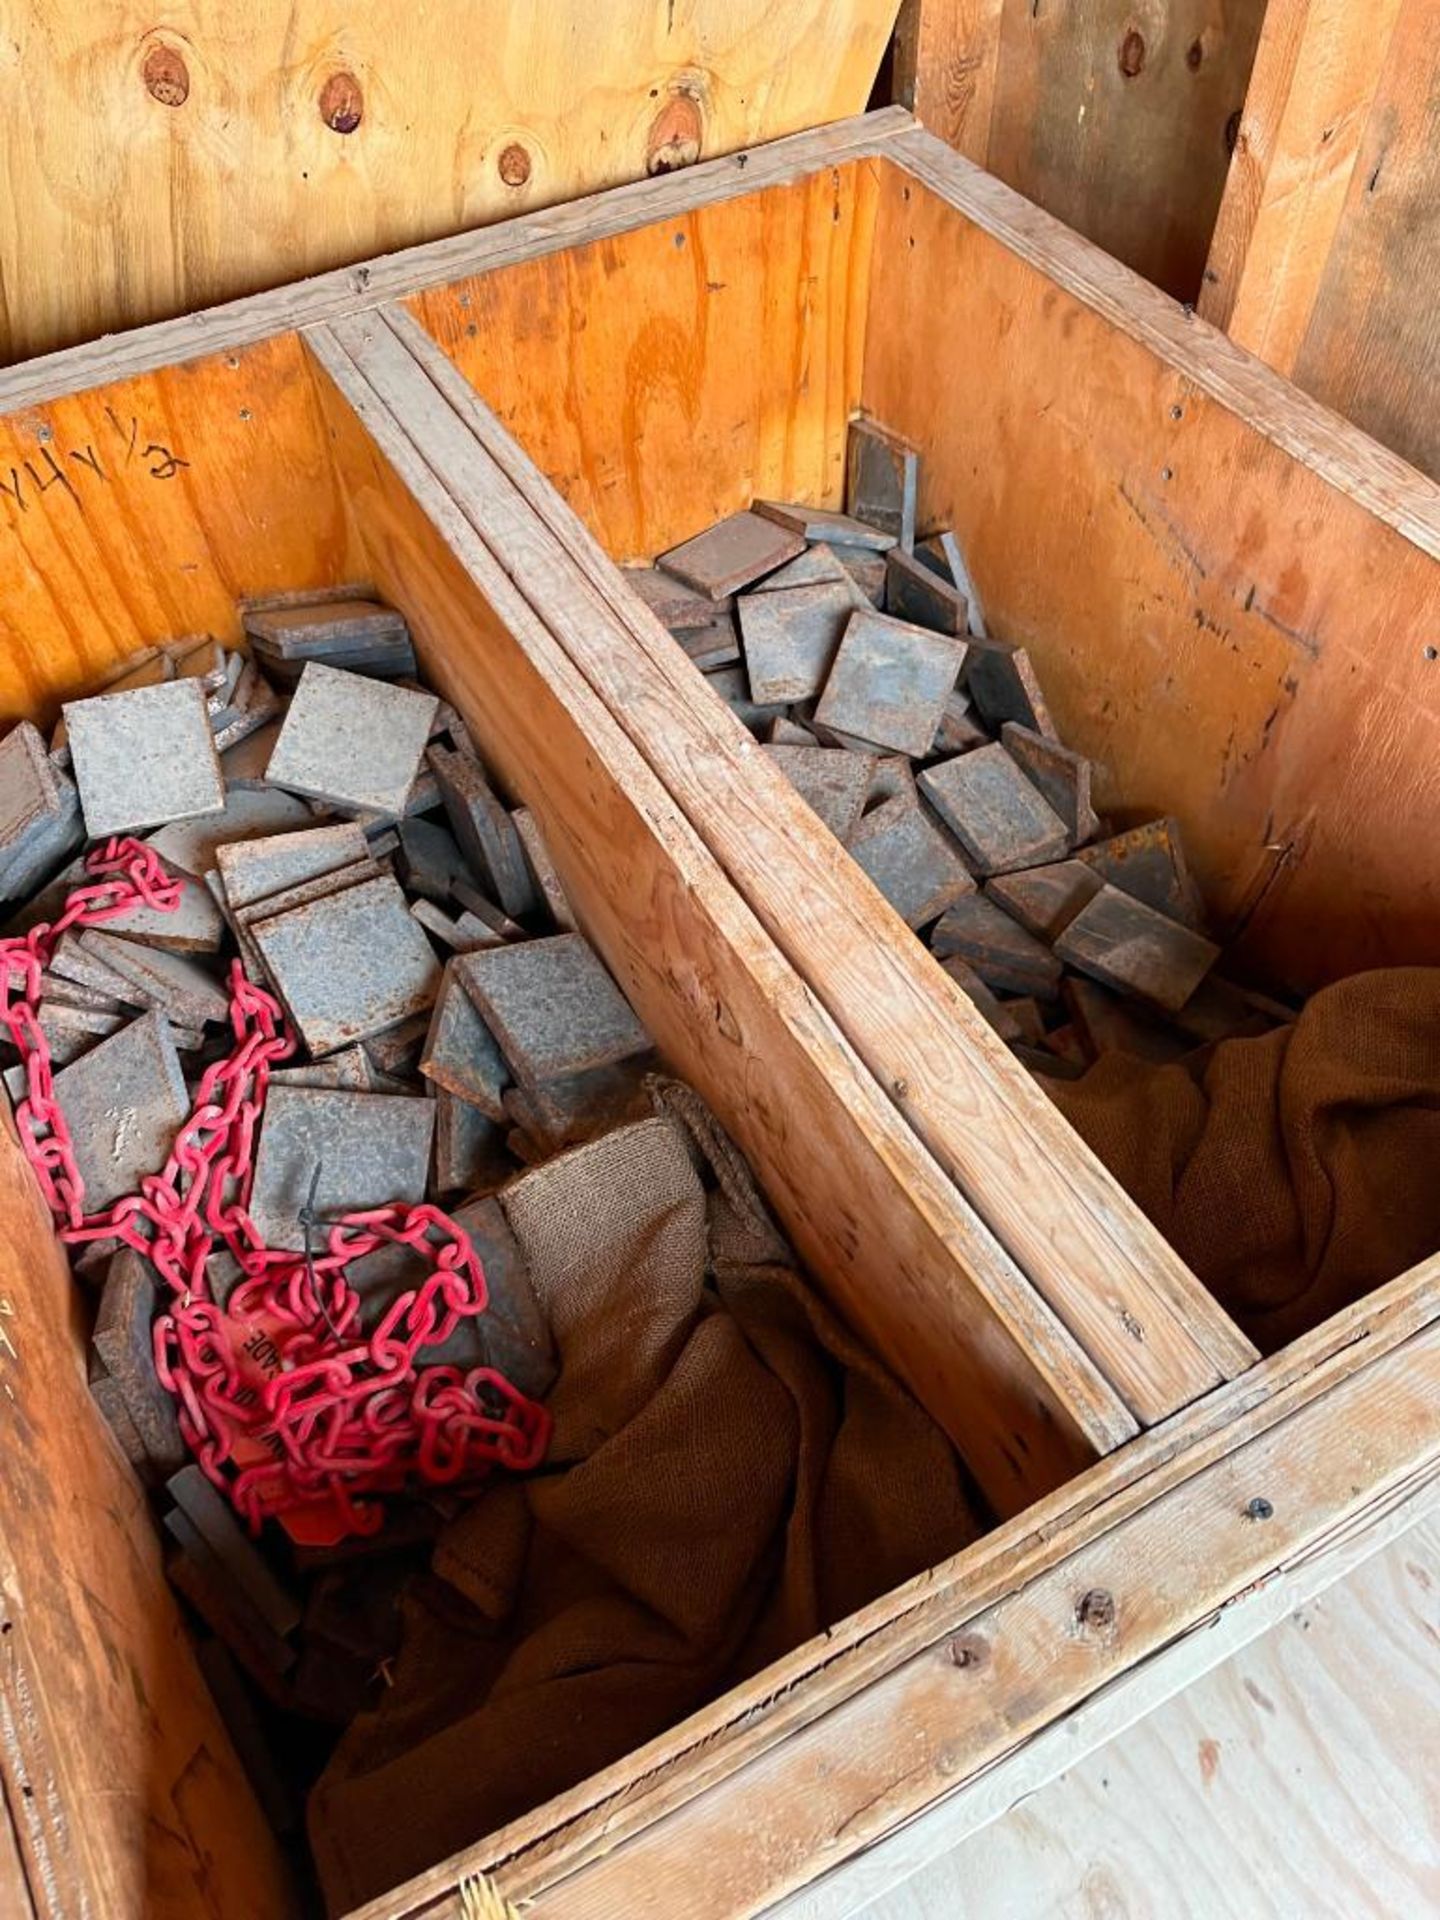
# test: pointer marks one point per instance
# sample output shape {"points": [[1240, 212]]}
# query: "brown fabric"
{"points": [[1293, 1172], [730, 1473]]}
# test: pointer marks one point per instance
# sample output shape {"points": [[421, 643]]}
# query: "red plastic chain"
{"points": [[286, 1405]]}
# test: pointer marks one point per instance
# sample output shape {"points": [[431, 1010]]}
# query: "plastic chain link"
{"points": [[289, 1408]]}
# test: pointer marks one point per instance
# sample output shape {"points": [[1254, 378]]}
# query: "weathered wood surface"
{"points": [[1327, 246], [1117, 118], [918, 1694], [1250, 641], [117, 1774], [1298, 1765], [158, 163]]}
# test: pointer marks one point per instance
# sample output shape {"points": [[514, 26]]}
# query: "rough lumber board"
{"points": [[869, 1212], [126, 1795], [1247, 646], [237, 324], [138, 511], [833, 1710], [1112, 116], [1316, 74], [731, 357], [1372, 349], [947, 61], [1193, 1790], [468, 116], [1152, 1330]]}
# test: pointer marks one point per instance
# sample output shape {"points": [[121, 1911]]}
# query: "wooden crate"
{"points": [[661, 353]]}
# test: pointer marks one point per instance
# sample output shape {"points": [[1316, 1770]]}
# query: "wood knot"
{"points": [[1096, 1610], [166, 76], [675, 133], [342, 105], [514, 165], [1132, 53]]}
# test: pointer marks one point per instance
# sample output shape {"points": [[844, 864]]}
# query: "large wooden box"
{"points": [[1229, 592]]}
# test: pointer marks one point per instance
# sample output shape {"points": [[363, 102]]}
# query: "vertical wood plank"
{"points": [[1316, 74], [1113, 115], [947, 61], [1372, 350]]}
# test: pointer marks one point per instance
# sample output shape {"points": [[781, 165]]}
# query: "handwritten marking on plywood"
{"points": [[134, 512]]}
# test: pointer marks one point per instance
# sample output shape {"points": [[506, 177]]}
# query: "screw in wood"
{"points": [[1096, 1610], [968, 1652], [1259, 1509]]}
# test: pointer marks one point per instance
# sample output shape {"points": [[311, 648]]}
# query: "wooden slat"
{"points": [[471, 114], [1372, 350], [1355, 1410], [1156, 1336], [126, 1795], [1113, 117], [1246, 643], [1327, 245], [1275, 1771], [1317, 71]]}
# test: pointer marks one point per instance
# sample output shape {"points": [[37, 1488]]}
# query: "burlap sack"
{"points": [[1293, 1172], [730, 1473]]}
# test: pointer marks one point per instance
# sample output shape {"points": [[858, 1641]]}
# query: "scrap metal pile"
{"points": [[297, 995], [858, 655]]}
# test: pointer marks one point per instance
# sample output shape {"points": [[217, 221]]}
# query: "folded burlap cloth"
{"points": [[730, 1472], [1293, 1172]]}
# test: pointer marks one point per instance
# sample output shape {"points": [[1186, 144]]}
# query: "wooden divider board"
{"points": [[125, 1795], [884, 1234], [1232, 597], [1157, 1335], [158, 162]]}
